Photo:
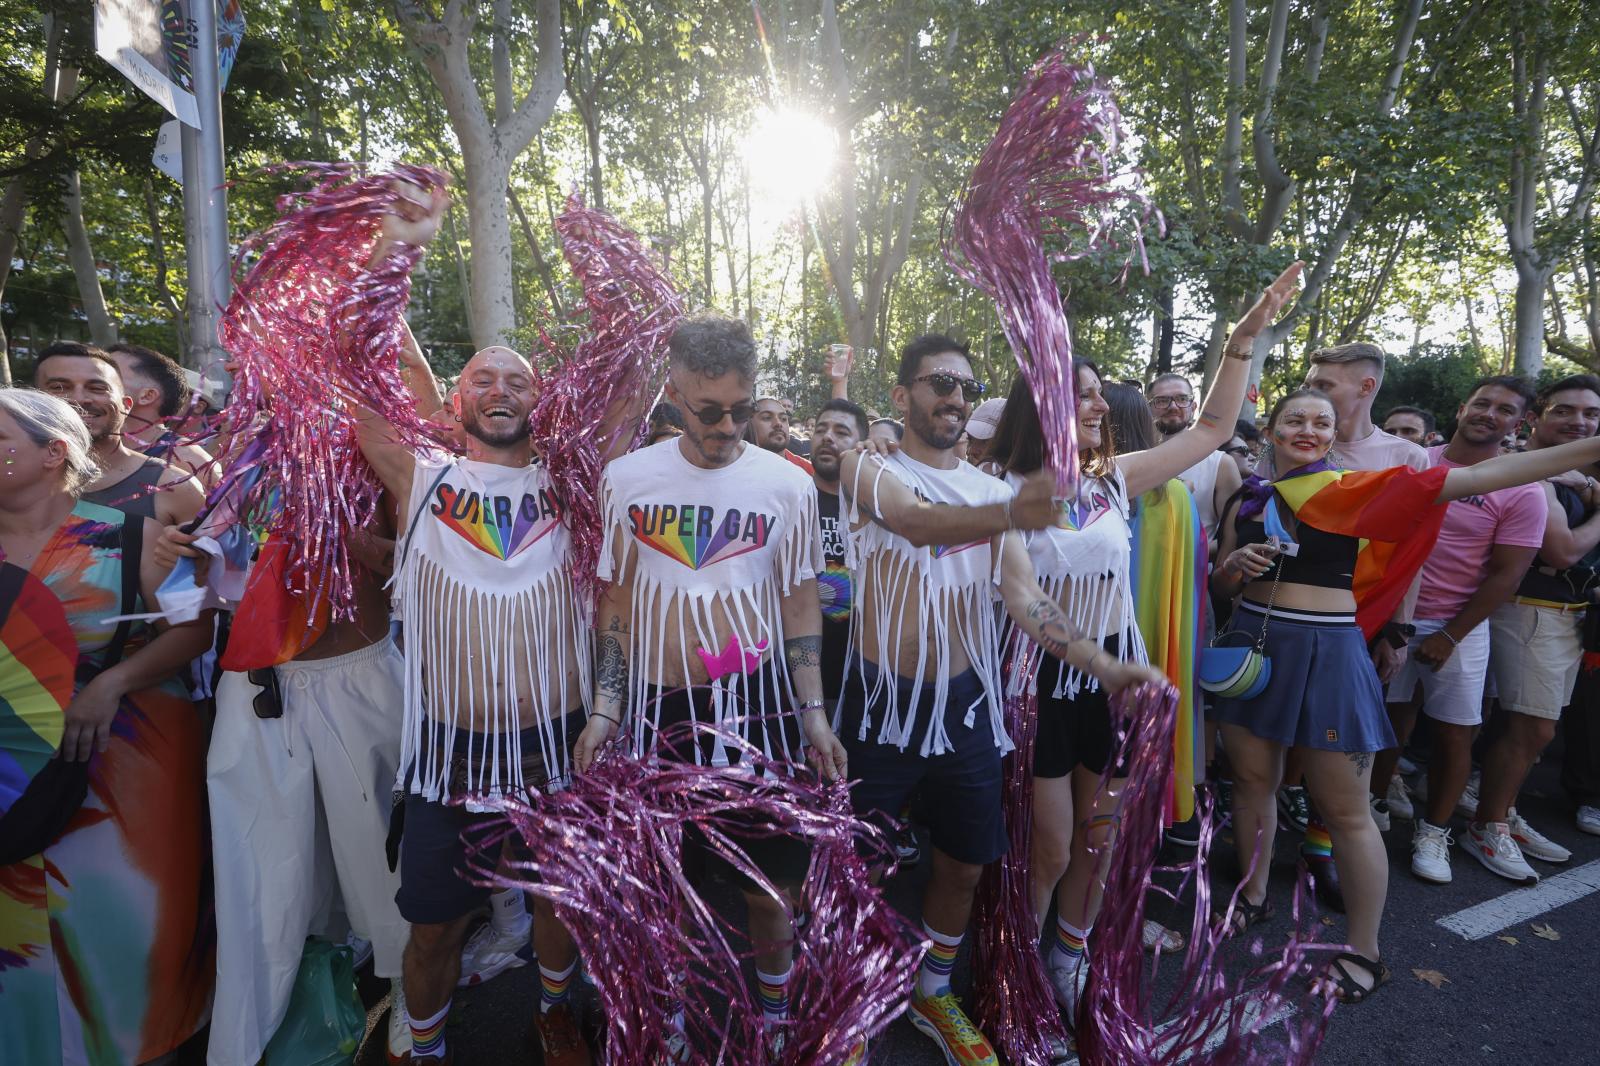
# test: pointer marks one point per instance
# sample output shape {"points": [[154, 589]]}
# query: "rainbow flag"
{"points": [[272, 623], [1169, 574], [1395, 513]]}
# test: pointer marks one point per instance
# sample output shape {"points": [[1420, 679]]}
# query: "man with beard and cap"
{"points": [[133, 483], [1483, 551], [928, 541], [1536, 641], [769, 430], [1212, 480], [497, 665]]}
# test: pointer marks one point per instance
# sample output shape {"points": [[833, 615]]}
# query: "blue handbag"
{"points": [[1239, 671]]}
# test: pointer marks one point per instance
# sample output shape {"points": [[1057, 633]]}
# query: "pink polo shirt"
{"points": [[1473, 525]]}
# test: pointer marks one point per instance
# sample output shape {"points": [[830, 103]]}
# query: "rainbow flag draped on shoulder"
{"points": [[1395, 513], [1169, 574]]}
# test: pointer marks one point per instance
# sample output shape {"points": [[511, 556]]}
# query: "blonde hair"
{"points": [[44, 419]]}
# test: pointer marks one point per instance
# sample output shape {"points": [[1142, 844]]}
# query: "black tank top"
{"points": [[134, 494], [1561, 585], [1325, 560]]}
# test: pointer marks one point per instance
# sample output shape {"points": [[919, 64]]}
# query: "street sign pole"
{"points": [[205, 207]]}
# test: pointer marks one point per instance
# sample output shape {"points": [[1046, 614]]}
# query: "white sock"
{"points": [[506, 910], [427, 1035], [774, 994]]}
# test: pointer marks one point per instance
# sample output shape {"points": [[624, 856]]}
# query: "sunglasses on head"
{"points": [[711, 414], [943, 383]]}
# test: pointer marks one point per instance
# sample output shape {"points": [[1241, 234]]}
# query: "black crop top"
{"points": [[1326, 560]]}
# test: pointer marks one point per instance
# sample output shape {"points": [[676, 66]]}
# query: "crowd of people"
{"points": [[852, 598]]}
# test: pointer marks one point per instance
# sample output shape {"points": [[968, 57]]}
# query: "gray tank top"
{"points": [[134, 494]]}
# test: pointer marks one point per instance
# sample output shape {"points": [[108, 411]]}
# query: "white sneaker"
{"points": [[1467, 805], [1068, 981], [1430, 853], [677, 1040], [1589, 820], [1399, 798], [1407, 767], [1532, 843], [360, 948], [490, 953], [399, 1024], [1380, 813], [1492, 845]]}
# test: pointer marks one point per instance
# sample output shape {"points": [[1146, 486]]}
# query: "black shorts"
{"points": [[436, 883], [962, 786], [1074, 730], [783, 860]]}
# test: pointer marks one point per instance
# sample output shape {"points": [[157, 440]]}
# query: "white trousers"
{"points": [[299, 816]]}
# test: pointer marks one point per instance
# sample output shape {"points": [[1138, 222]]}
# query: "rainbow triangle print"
{"points": [[698, 536], [941, 550], [497, 525]]}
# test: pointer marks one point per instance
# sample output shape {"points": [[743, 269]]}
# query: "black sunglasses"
{"points": [[268, 703], [944, 383], [1237, 449], [711, 414]]}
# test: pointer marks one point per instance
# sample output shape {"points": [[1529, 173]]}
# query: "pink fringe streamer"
{"points": [[607, 853], [632, 311], [314, 333], [1118, 1021], [1049, 173]]}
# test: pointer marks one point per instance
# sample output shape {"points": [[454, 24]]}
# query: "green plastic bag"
{"points": [[325, 1021]]}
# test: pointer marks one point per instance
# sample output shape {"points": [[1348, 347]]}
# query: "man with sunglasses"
{"points": [[712, 549], [928, 542]]}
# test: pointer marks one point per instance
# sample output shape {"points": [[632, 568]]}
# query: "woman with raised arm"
{"points": [[1083, 563], [1318, 558]]}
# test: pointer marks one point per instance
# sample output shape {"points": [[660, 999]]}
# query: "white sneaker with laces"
{"points": [[399, 1024], [1067, 982], [1492, 845], [1589, 820], [1380, 813], [1399, 798], [490, 952], [1430, 853], [1532, 843], [677, 1041]]}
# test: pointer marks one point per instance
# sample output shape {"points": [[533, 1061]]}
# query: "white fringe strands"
{"points": [[704, 617], [894, 583], [465, 649]]}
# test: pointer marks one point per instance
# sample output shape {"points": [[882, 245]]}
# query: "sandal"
{"points": [[1157, 935], [1343, 982], [1247, 914]]}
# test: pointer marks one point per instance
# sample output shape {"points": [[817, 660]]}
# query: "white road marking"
{"points": [[1502, 912], [1252, 1023]]}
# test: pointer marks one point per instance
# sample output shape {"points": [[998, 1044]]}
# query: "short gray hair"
{"points": [[1357, 352], [43, 418], [712, 345]]}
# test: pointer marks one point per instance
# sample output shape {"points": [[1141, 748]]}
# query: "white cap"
{"points": [[984, 418]]}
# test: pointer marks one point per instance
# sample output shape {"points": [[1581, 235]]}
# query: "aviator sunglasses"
{"points": [[944, 383]]}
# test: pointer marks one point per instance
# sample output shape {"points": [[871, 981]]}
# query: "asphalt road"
{"points": [[1528, 1002]]}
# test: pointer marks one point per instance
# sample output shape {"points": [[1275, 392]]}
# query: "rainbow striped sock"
{"points": [[554, 986], [1069, 944], [1317, 844], [934, 976], [773, 988], [427, 1035]]}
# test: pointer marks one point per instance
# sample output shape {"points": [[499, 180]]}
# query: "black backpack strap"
{"points": [[416, 513], [132, 555]]}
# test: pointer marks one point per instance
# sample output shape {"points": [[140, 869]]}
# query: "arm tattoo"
{"points": [[1051, 628], [1362, 759], [801, 652], [611, 669]]}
